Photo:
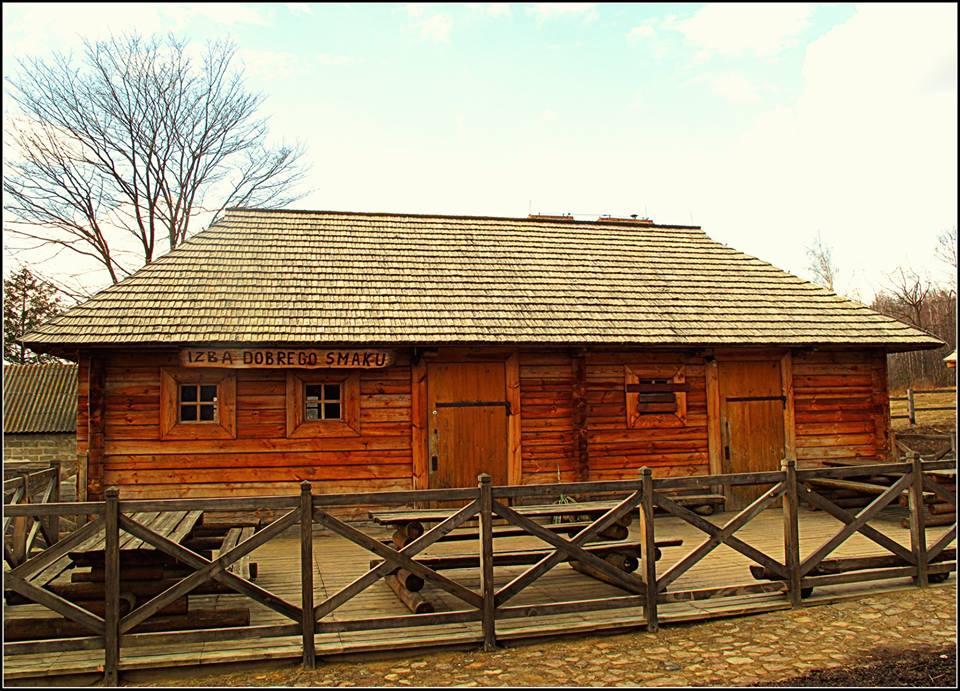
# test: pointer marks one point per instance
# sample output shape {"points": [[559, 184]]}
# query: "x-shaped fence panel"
{"points": [[207, 569], [944, 494], [857, 523], [568, 548], [394, 558], [18, 545], [18, 579], [720, 535]]}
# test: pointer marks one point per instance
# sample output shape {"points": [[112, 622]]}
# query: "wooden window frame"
{"points": [[348, 425], [225, 424], [637, 419]]}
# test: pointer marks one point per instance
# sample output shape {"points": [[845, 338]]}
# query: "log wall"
{"points": [[618, 451], [261, 460], [841, 406], [573, 425], [548, 425]]}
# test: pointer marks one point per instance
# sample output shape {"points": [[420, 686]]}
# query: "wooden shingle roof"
{"points": [[285, 277], [39, 398]]}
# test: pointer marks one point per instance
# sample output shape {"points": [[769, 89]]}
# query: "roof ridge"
{"points": [[465, 217]]}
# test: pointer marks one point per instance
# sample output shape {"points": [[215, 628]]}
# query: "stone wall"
{"points": [[40, 449]]}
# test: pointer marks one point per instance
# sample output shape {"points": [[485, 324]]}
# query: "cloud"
{"points": [[270, 64], [551, 10], [743, 28], [869, 149], [433, 27], [332, 59], [494, 9], [734, 87], [436, 27], [641, 31], [40, 28], [299, 7]]}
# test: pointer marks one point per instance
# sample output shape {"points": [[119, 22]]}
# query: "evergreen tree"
{"points": [[27, 302]]}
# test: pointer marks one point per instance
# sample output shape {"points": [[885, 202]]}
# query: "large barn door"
{"points": [[468, 423], [751, 418]]}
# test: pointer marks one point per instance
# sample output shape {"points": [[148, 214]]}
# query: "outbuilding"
{"points": [[375, 351]]}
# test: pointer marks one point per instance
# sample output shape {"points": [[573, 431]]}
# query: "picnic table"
{"points": [[610, 544], [145, 572]]}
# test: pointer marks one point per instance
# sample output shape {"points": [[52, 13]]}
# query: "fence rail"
{"points": [[38, 487], [793, 576], [911, 399]]}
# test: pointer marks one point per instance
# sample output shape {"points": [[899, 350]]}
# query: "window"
{"points": [[656, 396], [198, 404], [323, 403]]}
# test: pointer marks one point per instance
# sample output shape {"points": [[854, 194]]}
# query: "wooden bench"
{"points": [[532, 556], [703, 504], [624, 555], [243, 565]]}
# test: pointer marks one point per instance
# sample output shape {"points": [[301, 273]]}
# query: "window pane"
{"points": [[188, 413], [331, 411], [331, 392], [313, 412], [188, 393], [206, 412], [314, 391], [208, 392]]}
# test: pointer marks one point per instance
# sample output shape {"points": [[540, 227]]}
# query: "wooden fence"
{"points": [[38, 487], [915, 396], [792, 577]]}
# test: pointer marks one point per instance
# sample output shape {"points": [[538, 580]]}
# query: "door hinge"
{"points": [[474, 404]]}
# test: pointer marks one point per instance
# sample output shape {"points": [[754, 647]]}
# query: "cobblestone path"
{"points": [[731, 652]]}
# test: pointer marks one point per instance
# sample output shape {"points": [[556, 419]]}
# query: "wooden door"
{"points": [[468, 417], [751, 419]]}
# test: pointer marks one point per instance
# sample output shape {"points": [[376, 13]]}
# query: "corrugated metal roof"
{"points": [[39, 398], [287, 277]]}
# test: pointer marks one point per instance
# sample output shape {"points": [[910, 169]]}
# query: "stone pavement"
{"points": [[731, 652]]}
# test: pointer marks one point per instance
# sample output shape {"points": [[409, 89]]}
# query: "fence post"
{"points": [[791, 530], [918, 528], [486, 563], [20, 524], [53, 523], [111, 588], [649, 549], [911, 408], [308, 621]]}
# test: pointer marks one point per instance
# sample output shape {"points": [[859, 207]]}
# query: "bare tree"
{"points": [[134, 143], [909, 291], [821, 264], [946, 249]]}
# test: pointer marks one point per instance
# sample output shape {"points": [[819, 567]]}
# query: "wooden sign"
{"points": [[297, 358]]}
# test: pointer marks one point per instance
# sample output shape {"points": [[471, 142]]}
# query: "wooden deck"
{"points": [[337, 562]]}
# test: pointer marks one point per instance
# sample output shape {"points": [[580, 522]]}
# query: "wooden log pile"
{"points": [[621, 554], [852, 494], [937, 512]]}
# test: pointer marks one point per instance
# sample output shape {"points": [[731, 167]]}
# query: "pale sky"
{"points": [[765, 124]]}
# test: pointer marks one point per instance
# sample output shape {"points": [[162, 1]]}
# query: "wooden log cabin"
{"points": [[375, 351]]}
